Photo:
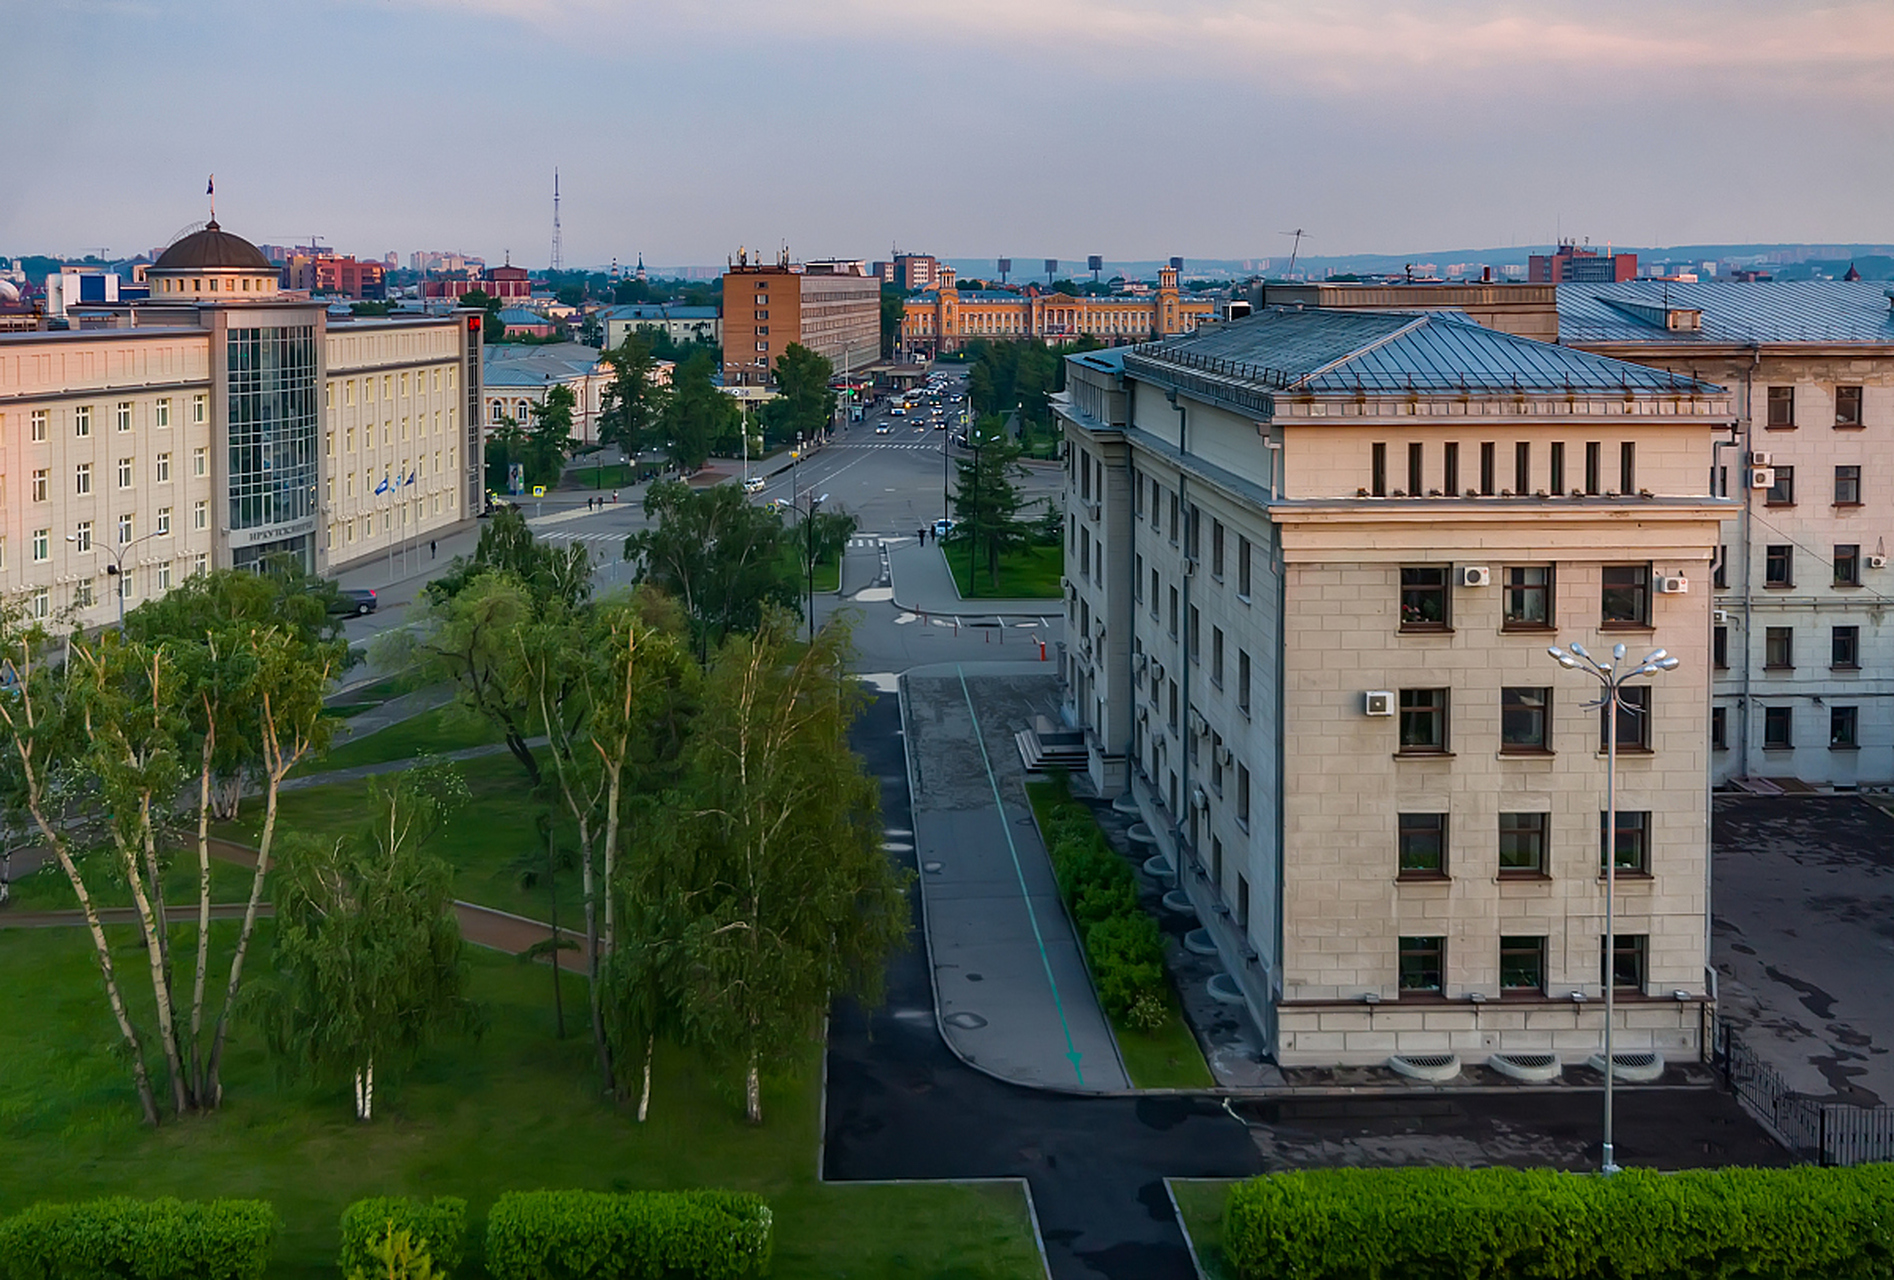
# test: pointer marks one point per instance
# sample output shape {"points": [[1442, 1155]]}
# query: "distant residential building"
{"points": [[1525, 310], [947, 318], [506, 282], [1572, 264], [73, 286], [680, 323], [909, 271], [517, 377], [520, 322], [329, 274], [831, 307]]}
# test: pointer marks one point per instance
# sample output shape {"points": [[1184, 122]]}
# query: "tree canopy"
{"points": [[697, 415], [635, 401], [721, 558], [805, 405]]}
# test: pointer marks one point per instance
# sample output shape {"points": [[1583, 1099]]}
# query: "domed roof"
{"points": [[213, 249]]}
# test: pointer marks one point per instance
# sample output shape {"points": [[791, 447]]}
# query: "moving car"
{"points": [[882, 429], [754, 484], [352, 602], [943, 527]]}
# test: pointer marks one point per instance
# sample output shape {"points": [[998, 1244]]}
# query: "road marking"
{"points": [[1031, 915]]}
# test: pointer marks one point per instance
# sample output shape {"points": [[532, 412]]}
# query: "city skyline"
{"points": [[838, 127]]}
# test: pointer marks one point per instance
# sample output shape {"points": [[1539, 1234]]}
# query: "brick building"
{"points": [[330, 274], [831, 307], [947, 318], [1570, 264]]}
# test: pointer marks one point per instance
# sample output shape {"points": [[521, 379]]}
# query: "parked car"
{"points": [[352, 601], [943, 527]]}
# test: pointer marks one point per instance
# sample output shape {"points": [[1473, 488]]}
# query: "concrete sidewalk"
{"points": [[1011, 990], [923, 584]]}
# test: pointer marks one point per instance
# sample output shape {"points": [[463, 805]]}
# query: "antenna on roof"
{"points": [[558, 253], [1295, 248]]}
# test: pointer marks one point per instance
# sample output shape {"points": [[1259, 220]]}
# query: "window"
{"points": [[1627, 595], [200, 514], [1524, 720], [200, 564], [1778, 565], [1848, 486], [82, 594], [1157, 504], [1720, 568], [1173, 521], [1424, 598], [1422, 961], [1243, 567], [1450, 469], [1521, 964], [1378, 470], [124, 530], [1778, 724], [1522, 839], [1627, 467], [1778, 647], [39, 426], [1422, 844], [1556, 481], [1528, 598], [164, 576], [1719, 729], [1488, 481], [42, 547], [124, 473], [200, 462], [82, 420], [1628, 967], [1720, 648], [82, 479], [164, 468], [163, 525], [1633, 847], [1216, 656], [1782, 492], [1844, 647], [1634, 719], [1173, 711], [1192, 638], [1781, 407], [123, 418], [82, 536], [1594, 451], [1243, 680], [1415, 458], [1848, 407], [1522, 468], [1172, 613], [161, 412], [1847, 564], [1423, 718], [40, 480], [1842, 725], [1216, 549], [1243, 796]]}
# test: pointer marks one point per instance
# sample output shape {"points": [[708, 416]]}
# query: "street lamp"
{"points": [[1611, 682], [117, 568], [808, 527]]}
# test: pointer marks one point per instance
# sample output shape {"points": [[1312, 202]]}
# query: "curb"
{"points": [[1056, 607]]}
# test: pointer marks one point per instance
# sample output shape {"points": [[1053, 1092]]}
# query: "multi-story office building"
{"points": [[1804, 647], [1314, 562], [908, 271], [947, 318], [1570, 264], [680, 323], [330, 273], [831, 307], [219, 423]]}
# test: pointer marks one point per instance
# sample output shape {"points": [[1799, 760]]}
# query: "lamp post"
{"points": [[117, 568], [1611, 682], [808, 528]]}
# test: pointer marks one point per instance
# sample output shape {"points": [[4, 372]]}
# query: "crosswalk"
{"points": [[563, 535], [932, 446]]}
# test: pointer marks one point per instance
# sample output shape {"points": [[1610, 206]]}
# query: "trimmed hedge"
{"points": [[438, 1225], [1536, 1224], [124, 1239], [1122, 942], [643, 1235]]}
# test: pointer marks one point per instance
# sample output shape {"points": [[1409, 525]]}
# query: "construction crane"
{"points": [[1295, 248]]}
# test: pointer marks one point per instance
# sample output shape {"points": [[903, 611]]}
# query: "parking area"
{"points": [[1803, 939]]}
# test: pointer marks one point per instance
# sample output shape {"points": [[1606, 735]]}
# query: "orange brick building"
{"points": [[947, 318], [832, 308]]}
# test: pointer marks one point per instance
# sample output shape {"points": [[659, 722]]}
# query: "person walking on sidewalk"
{"points": [[431, 548]]}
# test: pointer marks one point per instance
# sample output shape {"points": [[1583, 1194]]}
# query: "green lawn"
{"points": [[828, 571], [380, 691], [439, 731], [48, 889], [1032, 574], [515, 1109], [614, 475], [1201, 1203]]}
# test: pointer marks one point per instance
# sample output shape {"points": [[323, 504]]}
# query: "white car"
{"points": [[943, 527], [897, 412], [882, 430], [755, 484]]}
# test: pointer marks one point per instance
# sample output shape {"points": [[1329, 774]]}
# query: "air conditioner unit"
{"points": [[1138, 660], [1199, 799], [1762, 477], [1190, 567], [1092, 510], [1762, 458], [1719, 616], [1877, 562], [1224, 756], [1198, 725], [1157, 671], [1673, 586], [1476, 576], [1377, 702]]}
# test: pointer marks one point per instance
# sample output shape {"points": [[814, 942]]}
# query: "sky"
{"points": [[1137, 129]]}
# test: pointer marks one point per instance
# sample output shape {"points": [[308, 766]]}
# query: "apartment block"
{"points": [[1314, 561], [831, 307]]}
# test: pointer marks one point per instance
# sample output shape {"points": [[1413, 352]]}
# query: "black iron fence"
{"points": [[1825, 1132]]}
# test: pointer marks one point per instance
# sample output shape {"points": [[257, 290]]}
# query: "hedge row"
{"points": [[438, 1226], [1513, 1224], [1121, 939], [643, 1235], [127, 1239]]}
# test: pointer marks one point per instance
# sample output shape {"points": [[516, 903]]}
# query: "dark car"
{"points": [[353, 601]]}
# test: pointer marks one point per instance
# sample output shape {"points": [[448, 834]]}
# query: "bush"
{"points": [[1514, 1224], [438, 1226], [162, 1239], [589, 1235], [1121, 941], [1127, 955]]}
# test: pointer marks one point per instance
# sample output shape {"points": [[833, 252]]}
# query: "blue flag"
{"points": [[210, 188], [410, 479], [383, 486]]}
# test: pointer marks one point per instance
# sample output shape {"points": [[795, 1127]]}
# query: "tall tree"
{"points": [[697, 413], [367, 962], [722, 559], [634, 402], [894, 309], [987, 502], [549, 440], [806, 404]]}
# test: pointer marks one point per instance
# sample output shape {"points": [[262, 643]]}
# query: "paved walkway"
{"points": [[922, 583], [1012, 993]]}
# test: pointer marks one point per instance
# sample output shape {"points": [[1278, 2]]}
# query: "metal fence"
{"points": [[1825, 1132]]}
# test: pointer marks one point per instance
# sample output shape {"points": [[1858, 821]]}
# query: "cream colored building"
{"points": [[1315, 559], [200, 430]]}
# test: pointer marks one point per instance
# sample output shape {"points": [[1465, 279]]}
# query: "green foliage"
{"points": [[590, 1235], [986, 500], [634, 403], [720, 557], [395, 1255], [1122, 942], [698, 415], [1536, 1224], [806, 405], [163, 1239], [435, 1229], [494, 328], [894, 306]]}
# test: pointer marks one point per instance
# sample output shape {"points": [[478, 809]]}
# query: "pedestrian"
{"points": [[921, 535], [431, 548], [614, 497]]}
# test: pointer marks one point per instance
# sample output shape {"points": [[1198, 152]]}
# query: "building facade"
{"points": [[197, 431], [1570, 264], [1314, 560], [330, 274], [516, 378], [833, 308], [680, 323], [947, 319]]}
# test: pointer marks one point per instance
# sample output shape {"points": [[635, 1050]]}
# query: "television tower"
{"points": [[557, 249]]}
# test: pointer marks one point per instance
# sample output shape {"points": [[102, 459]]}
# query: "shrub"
{"points": [[1127, 955], [590, 1235], [439, 1226], [164, 1239], [1513, 1224]]}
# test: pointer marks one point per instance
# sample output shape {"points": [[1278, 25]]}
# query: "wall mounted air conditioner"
{"points": [[1673, 586], [1877, 562], [1138, 660], [1157, 671], [1476, 576], [1224, 756], [1199, 799], [1762, 458], [1190, 567], [1377, 702], [1719, 616], [1762, 477], [1199, 725]]}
